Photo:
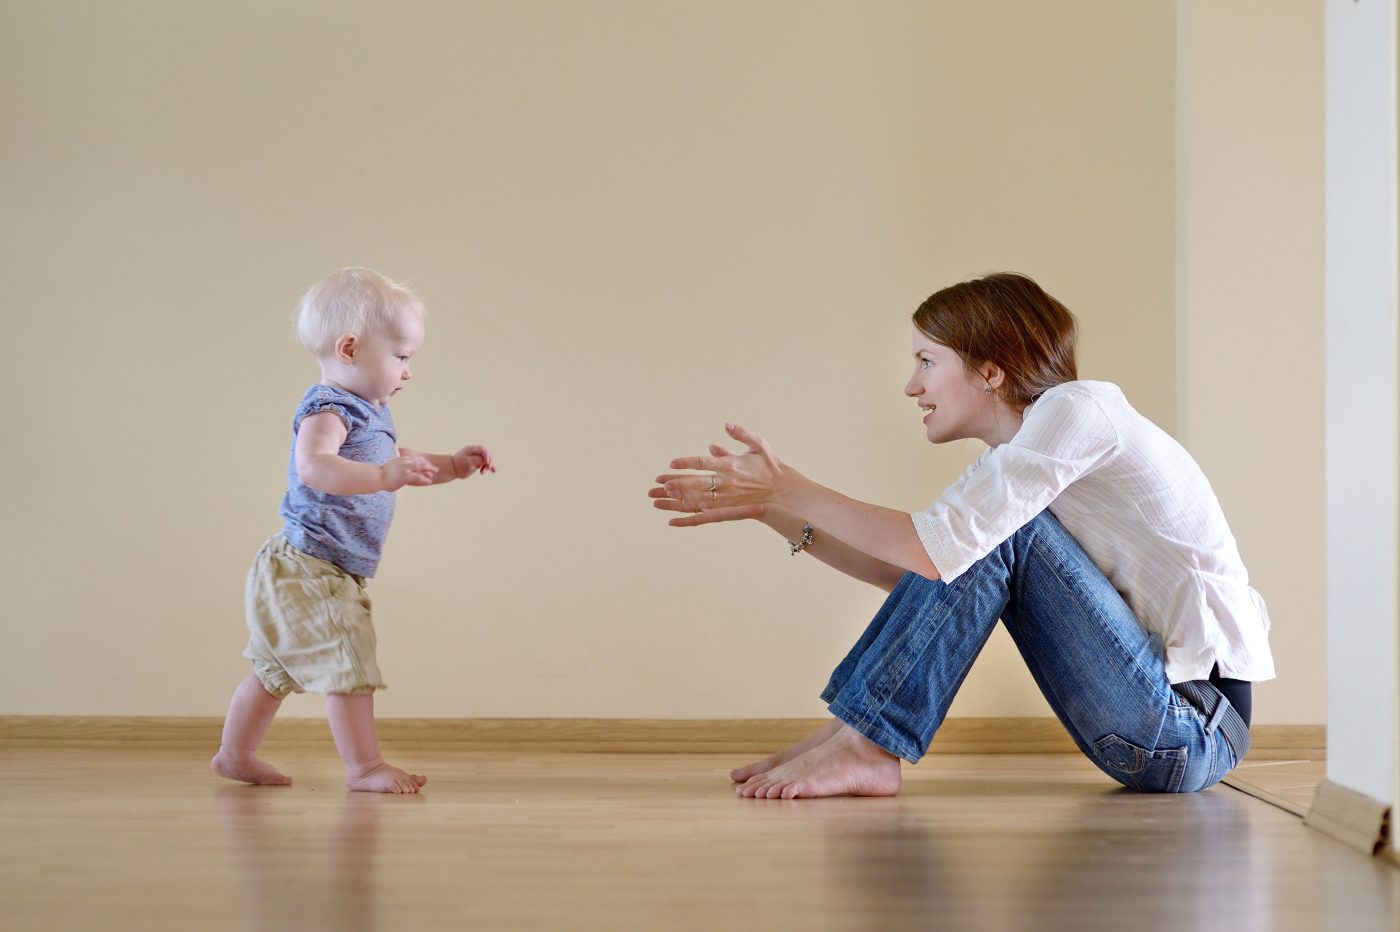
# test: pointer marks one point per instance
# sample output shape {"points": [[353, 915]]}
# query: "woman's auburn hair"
{"points": [[1009, 320]]}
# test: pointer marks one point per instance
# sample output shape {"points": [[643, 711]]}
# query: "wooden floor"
{"points": [[114, 839]]}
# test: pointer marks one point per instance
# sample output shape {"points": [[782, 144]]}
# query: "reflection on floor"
{"points": [[151, 840], [1288, 784]]}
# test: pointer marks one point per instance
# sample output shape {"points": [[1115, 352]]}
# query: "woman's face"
{"points": [[954, 402]]}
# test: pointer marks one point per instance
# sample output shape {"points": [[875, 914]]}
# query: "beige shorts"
{"points": [[310, 625]]}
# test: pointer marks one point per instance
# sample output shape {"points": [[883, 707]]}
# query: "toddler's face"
{"points": [[381, 364]]}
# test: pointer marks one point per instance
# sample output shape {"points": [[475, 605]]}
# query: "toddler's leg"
{"points": [[250, 714], [352, 724]]}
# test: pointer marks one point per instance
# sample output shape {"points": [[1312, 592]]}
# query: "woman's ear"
{"points": [[992, 374], [345, 349]]}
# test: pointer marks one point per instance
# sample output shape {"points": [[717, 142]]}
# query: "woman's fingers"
{"points": [[695, 520], [706, 463], [715, 515], [697, 488], [755, 443], [702, 490], [671, 504], [680, 499], [745, 436], [664, 501], [672, 477]]}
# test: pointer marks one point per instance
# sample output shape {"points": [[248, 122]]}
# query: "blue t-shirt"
{"points": [[347, 530]]}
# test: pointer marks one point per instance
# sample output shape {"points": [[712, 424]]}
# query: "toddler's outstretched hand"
{"points": [[407, 470], [470, 460]]}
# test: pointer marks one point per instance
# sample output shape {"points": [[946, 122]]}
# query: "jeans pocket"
{"points": [[1140, 769]]}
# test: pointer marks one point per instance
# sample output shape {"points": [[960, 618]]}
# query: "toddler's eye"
{"points": [[925, 363]]}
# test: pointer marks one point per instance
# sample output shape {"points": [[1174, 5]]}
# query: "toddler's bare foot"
{"points": [[742, 774], [379, 777], [247, 769], [847, 763]]}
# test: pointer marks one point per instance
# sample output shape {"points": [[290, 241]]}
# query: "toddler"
{"points": [[307, 608]]}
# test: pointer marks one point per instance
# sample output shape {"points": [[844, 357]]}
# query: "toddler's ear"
{"points": [[345, 348]]}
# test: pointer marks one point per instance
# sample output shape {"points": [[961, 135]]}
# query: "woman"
{"points": [[1084, 527]]}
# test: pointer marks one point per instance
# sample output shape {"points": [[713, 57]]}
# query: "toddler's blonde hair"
{"points": [[356, 301]]}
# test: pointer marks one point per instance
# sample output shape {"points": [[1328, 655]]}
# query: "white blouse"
{"points": [[1140, 507]]}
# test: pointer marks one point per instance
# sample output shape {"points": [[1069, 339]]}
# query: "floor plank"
{"points": [[116, 839]]}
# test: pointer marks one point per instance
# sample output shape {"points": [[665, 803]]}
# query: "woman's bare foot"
{"points": [[846, 764], [379, 777], [742, 774], [247, 768]]}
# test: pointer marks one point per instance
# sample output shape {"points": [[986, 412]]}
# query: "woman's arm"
{"points": [[824, 547], [833, 552], [880, 544], [884, 535]]}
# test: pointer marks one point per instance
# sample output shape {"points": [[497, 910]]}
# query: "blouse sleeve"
{"points": [[319, 401], [1065, 436]]}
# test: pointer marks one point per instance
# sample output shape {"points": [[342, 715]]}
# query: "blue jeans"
{"points": [[1101, 671]]}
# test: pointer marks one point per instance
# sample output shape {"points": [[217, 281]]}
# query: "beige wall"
{"points": [[1250, 309], [631, 222]]}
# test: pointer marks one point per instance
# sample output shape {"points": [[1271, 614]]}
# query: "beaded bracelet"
{"points": [[804, 543]]}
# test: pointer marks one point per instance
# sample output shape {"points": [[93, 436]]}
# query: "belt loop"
{"points": [[1216, 715]]}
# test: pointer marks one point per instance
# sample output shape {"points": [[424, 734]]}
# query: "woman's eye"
{"points": [[925, 363]]}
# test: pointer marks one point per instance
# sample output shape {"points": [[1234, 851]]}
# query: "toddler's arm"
{"points": [[321, 467], [465, 462]]}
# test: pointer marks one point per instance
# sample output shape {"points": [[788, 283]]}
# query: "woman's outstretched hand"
{"points": [[737, 485]]}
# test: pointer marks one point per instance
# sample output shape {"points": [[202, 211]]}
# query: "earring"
{"points": [[987, 391]]}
